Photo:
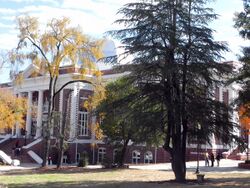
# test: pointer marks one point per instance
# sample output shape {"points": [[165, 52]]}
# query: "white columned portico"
{"points": [[28, 117], [74, 109], [39, 114]]}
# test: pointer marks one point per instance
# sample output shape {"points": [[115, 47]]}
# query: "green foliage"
{"points": [[242, 23], [175, 69], [84, 159], [124, 115], [107, 162]]}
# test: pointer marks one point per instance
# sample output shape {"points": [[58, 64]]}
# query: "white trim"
{"points": [[35, 157], [103, 153], [32, 143], [150, 159], [137, 156], [5, 138], [203, 146], [5, 158], [83, 123]]}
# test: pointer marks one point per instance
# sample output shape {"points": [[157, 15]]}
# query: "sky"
{"points": [[95, 17]]}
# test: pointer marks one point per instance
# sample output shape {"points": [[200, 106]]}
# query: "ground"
{"points": [[157, 176]]}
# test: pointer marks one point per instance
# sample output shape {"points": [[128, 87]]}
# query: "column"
{"points": [[92, 124], [28, 117], [39, 114], [221, 94], [17, 126], [213, 143], [73, 112], [61, 107]]}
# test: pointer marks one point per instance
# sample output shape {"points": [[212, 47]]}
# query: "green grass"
{"points": [[122, 178]]}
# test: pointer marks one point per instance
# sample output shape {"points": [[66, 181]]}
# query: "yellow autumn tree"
{"points": [[244, 117], [12, 109], [49, 47]]}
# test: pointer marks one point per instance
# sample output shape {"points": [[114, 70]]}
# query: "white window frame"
{"points": [[83, 123], [150, 157], [101, 154], [136, 157]]}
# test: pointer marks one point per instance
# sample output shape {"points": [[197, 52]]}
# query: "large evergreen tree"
{"points": [[176, 62]]}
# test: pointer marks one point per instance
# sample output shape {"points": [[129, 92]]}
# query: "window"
{"points": [[148, 157], [136, 156], [83, 123], [101, 154], [65, 158]]}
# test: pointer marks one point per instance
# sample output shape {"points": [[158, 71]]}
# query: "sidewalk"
{"points": [[226, 166], [5, 168]]}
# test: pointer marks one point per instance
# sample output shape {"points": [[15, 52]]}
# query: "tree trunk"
{"points": [[178, 166], [123, 152], [60, 154], [62, 134], [48, 127]]}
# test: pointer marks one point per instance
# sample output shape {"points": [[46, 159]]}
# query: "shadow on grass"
{"points": [[67, 170], [220, 182]]}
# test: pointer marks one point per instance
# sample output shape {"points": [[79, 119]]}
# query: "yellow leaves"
{"points": [[12, 109], [28, 26], [244, 118], [58, 44], [97, 130], [18, 79], [98, 73]]}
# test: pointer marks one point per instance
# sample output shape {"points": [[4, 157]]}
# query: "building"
{"points": [[81, 138]]}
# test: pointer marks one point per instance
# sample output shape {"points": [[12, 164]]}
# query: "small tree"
{"points": [[124, 117], [48, 50]]}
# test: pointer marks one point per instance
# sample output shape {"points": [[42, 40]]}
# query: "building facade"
{"points": [[81, 137]]}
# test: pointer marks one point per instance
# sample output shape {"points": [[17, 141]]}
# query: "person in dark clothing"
{"points": [[212, 159], [218, 157], [17, 144]]}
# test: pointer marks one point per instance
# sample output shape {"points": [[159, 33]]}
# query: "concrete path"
{"points": [[5, 168], [226, 166]]}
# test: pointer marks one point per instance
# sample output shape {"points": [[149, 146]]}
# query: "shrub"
{"points": [[84, 159], [107, 163]]}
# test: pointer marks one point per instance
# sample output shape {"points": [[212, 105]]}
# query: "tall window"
{"points": [[101, 154], [83, 123], [148, 157], [136, 156]]}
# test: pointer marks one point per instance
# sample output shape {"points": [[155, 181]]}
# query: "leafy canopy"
{"points": [[12, 109]]}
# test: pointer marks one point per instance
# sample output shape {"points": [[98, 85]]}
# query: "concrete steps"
{"points": [[9, 147]]}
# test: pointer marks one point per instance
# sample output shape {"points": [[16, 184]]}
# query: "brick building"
{"points": [[81, 138]]}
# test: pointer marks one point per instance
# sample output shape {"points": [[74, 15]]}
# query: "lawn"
{"points": [[118, 178]]}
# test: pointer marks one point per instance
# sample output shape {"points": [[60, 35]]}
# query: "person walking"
{"points": [[212, 159], [206, 159], [218, 157]]}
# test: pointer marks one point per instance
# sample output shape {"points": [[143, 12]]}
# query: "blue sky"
{"points": [[96, 16]]}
